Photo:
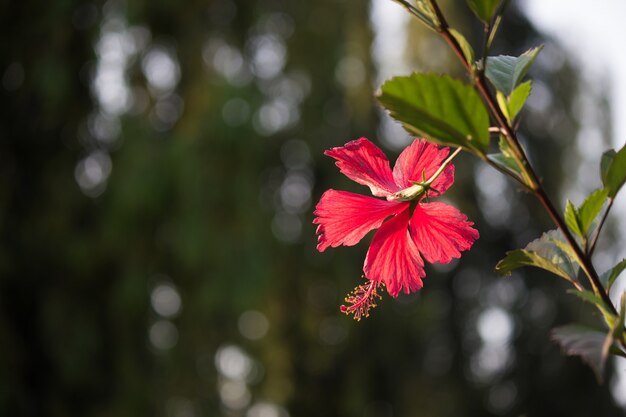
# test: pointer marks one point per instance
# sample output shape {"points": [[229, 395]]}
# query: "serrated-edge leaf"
{"points": [[550, 252], [553, 246], [518, 98], [484, 9], [591, 208], [439, 107], [608, 277], [506, 72], [468, 52], [576, 340], [522, 257], [572, 220]]}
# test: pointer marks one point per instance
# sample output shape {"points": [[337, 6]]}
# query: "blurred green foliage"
{"points": [[159, 163]]}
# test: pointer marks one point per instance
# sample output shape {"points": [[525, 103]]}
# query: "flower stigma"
{"points": [[362, 299]]}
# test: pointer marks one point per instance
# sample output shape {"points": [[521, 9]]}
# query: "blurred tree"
{"points": [[159, 165]]}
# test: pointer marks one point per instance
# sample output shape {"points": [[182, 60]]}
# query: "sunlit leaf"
{"points": [[558, 239], [545, 253], [608, 278], [521, 257], [506, 72], [503, 103], [422, 10], [468, 52], [484, 9], [591, 208], [571, 219], [613, 170], [518, 98], [425, 8], [589, 344], [439, 107], [553, 246]]}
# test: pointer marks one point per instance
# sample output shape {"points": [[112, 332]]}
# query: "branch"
{"points": [[596, 236], [519, 154]]}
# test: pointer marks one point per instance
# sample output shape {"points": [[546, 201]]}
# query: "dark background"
{"points": [[159, 165]]}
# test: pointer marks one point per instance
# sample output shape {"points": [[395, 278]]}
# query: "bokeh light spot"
{"points": [[163, 335], [165, 300], [265, 409], [161, 69], [233, 363], [495, 326], [253, 324]]}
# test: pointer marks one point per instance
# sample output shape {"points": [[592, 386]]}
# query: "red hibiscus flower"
{"points": [[415, 229]]}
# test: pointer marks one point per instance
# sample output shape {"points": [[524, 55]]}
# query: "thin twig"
{"points": [[596, 236]]}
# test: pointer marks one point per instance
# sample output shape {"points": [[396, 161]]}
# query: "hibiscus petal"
{"points": [[419, 161], [363, 162], [393, 257], [344, 218], [441, 232]]}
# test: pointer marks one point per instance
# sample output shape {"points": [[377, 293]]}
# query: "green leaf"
{"points": [[605, 163], [484, 9], [506, 72], [439, 107], [571, 219], [503, 103], [565, 247], [608, 278], [613, 170], [505, 163], [580, 220], [518, 98], [618, 328], [546, 253], [521, 257], [512, 104], [593, 299], [505, 159], [553, 246], [423, 11], [591, 208], [589, 344], [468, 52]]}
